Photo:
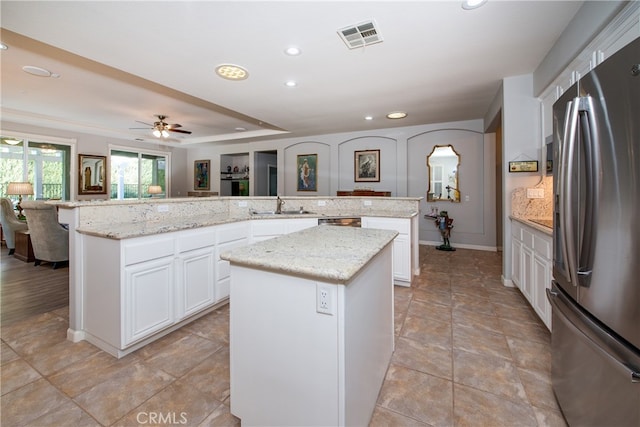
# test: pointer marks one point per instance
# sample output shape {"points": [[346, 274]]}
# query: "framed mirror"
{"points": [[442, 167], [92, 171]]}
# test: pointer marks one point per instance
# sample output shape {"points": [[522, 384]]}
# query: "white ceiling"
{"points": [[124, 61]]}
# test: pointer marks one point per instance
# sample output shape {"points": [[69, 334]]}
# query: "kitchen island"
{"points": [[311, 326]]}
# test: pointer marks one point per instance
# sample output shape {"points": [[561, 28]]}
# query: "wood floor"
{"points": [[26, 290]]}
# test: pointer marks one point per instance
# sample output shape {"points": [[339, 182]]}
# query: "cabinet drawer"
{"points": [[229, 233], [268, 227], [147, 249], [542, 246], [196, 239]]}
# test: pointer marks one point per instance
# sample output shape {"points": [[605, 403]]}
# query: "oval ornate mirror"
{"points": [[442, 165]]}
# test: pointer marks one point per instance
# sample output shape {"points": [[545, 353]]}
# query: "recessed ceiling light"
{"points": [[232, 72], [3, 46], [368, 117], [36, 71], [397, 115], [240, 129], [291, 83], [472, 4], [293, 51]]}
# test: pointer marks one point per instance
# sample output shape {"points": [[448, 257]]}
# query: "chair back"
{"points": [[10, 223], [49, 239]]}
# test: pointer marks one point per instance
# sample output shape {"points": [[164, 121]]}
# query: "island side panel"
{"points": [[369, 335], [284, 355]]}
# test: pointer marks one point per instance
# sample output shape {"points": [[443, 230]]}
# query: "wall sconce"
{"points": [[18, 189]]}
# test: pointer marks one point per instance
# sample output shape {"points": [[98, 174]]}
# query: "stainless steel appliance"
{"points": [[595, 295], [343, 222]]}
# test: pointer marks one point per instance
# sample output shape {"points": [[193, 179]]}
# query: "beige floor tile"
{"points": [[427, 358], [28, 403], [85, 374], [383, 417], [109, 401], [475, 408], [493, 374], [172, 360], [221, 416], [427, 331], [214, 327], [531, 355], [533, 331], [480, 342], [549, 418], [539, 390], [474, 320], [430, 310], [7, 354], [38, 339], [179, 404], [438, 296], [60, 355], [67, 414], [418, 396], [16, 374], [471, 303], [211, 376]]}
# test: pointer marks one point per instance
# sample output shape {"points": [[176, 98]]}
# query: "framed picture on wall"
{"points": [[91, 170], [307, 171], [367, 166], [201, 176]]}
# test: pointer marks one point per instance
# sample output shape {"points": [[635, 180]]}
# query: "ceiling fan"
{"points": [[161, 128]]}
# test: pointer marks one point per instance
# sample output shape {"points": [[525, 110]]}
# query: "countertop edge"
{"points": [[546, 230]]}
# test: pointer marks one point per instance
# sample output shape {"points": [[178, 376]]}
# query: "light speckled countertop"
{"points": [[546, 230], [166, 225], [334, 254]]}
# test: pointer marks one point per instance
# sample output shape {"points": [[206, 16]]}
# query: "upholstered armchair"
{"points": [[49, 239], [10, 223]]}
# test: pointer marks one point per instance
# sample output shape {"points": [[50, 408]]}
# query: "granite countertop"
{"points": [[334, 254], [145, 228], [545, 225]]}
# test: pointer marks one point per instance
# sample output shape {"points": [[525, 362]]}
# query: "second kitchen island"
{"points": [[311, 326]]}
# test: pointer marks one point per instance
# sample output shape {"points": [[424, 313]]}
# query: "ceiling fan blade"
{"points": [[180, 131], [173, 126], [148, 124], [140, 128]]}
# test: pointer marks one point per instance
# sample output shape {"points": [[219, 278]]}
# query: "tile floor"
{"points": [[469, 352]]}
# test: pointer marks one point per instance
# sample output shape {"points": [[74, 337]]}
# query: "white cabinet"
{"points": [[228, 236], [531, 257], [263, 229], [402, 255], [196, 271], [148, 298]]}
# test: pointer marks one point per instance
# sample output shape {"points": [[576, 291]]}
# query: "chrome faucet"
{"points": [[279, 203]]}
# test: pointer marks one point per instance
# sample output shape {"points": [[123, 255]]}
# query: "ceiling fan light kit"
{"points": [[161, 129]]}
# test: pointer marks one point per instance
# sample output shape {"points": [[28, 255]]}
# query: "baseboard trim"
{"points": [[461, 246]]}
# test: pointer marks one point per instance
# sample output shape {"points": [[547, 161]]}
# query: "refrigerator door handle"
{"points": [[566, 190], [591, 144]]}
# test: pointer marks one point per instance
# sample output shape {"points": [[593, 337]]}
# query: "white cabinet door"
{"points": [[196, 286], [229, 236], [401, 245], [527, 272], [542, 281], [516, 262], [149, 302]]}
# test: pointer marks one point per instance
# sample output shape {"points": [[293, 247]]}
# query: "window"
{"points": [[133, 172], [46, 165]]}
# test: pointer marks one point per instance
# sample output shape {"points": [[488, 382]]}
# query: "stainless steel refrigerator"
{"points": [[595, 294]]}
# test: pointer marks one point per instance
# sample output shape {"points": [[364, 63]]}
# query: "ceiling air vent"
{"points": [[359, 35]]}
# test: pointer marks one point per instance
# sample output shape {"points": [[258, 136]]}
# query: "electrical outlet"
{"points": [[323, 299], [367, 202], [322, 203], [535, 193], [242, 204]]}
